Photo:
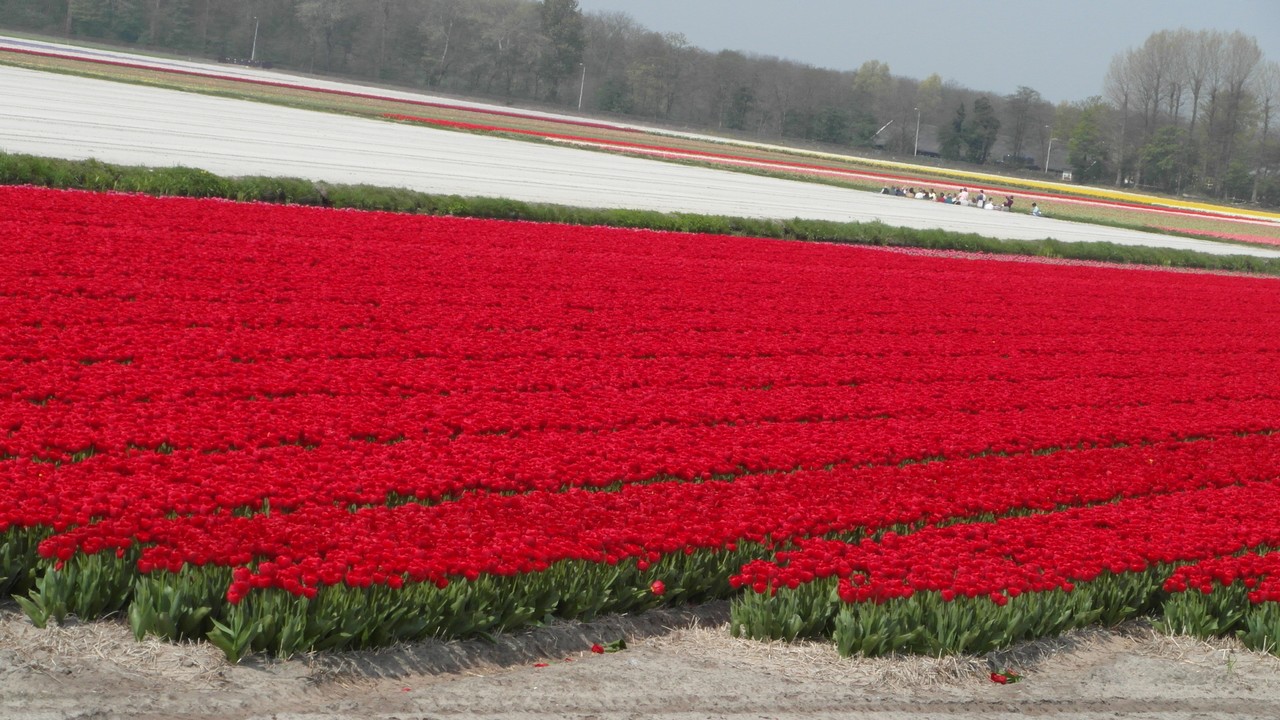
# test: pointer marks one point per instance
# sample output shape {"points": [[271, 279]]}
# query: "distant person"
{"points": [[1035, 210], [989, 206], [1008, 202], [963, 197]]}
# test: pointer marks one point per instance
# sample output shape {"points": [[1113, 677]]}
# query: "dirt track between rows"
{"points": [[681, 663]]}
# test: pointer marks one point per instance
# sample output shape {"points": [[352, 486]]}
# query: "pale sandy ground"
{"points": [[680, 664]]}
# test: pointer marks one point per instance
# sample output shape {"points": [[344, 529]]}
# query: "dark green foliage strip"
{"points": [[16, 169], [192, 604], [18, 560], [926, 624], [1225, 612]]}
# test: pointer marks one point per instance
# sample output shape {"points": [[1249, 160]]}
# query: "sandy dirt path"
{"points": [[680, 664]]}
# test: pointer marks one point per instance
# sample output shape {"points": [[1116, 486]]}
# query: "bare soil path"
{"points": [[679, 664]]}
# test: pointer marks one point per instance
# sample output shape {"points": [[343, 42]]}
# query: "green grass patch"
{"points": [[19, 169]]}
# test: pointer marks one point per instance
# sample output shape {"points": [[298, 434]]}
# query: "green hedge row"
{"points": [[18, 169]]}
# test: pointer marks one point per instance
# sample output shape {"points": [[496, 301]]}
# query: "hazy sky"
{"points": [[1060, 48]]}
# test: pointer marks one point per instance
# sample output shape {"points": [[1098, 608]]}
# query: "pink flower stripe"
{"points": [[1238, 237], [576, 138]]}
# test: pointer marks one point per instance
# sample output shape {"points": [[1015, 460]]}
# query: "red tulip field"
{"points": [[283, 429]]}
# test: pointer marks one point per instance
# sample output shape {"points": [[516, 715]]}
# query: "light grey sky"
{"points": [[1061, 48]]}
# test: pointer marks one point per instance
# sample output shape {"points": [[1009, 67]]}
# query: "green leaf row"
{"points": [[192, 604], [19, 169], [926, 624], [1225, 612]]}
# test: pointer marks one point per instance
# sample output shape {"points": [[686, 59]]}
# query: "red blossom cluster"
{"points": [[265, 388], [1259, 572], [1038, 553]]}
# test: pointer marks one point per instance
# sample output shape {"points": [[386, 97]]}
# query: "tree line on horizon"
{"points": [[1187, 112]]}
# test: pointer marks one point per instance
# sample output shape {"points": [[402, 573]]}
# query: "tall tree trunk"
{"points": [[1124, 123], [153, 30], [382, 39], [204, 29], [1262, 147]]}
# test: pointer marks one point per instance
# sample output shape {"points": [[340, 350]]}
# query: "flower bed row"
{"points": [[937, 590], [321, 549], [445, 426]]}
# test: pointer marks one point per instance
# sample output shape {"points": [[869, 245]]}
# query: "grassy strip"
{"points": [[17, 169]]}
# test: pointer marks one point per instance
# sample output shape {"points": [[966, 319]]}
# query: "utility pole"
{"points": [[917, 149], [253, 53]]}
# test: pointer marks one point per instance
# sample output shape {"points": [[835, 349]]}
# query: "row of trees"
{"points": [[1186, 112], [1190, 110]]}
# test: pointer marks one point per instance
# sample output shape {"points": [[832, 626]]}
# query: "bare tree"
{"points": [[1020, 113], [1183, 47], [329, 25], [1119, 86], [1267, 90], [1240, 63], [1203, 69], [610, 38]]}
